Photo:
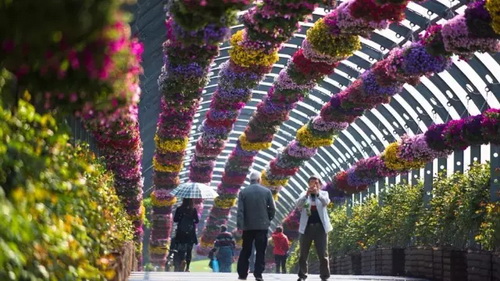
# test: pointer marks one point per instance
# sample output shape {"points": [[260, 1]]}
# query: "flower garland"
{"points": [[321, 52], [194, 33], [417, 151], [254, 51], [319, 131], [403, 65]]}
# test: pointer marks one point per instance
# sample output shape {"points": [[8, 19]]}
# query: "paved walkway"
{"points": [[199, 276]]}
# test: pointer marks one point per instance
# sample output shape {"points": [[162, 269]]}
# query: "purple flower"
{"points": [[336, 195], [296, 150], [234, 94], [453, 134], [182, 72], [435, 138], [210, 131], [269, 107], [372, 87], [229, 78], [210, 34], [353, 179], [479, 20], [490, 125], [321, 125], [217, 114], [472, 130], [417, 61], [458, 40]]}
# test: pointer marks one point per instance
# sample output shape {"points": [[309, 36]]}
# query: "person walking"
{"points": [[256, 209], [225, 245], [280, 251], [314, 226], [186, 218]]}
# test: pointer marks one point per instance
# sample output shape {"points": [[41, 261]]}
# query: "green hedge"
{"points": [[59, 216], [456, 209], [459, 215]]}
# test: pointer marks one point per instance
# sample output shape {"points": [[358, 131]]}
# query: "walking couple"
{"points": [[256, 209]]}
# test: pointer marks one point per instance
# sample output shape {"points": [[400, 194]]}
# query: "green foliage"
{"points": [[59, 216], [402, 206], [341, 241], [358, 231], [456, 209], [489, 231]]}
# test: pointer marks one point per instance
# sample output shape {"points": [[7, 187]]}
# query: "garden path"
{"points": [[203, 276]]}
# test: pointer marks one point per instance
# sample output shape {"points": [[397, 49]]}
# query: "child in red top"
{"points": [[281, 247]]}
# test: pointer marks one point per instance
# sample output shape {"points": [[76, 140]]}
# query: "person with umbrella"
{"points": [[186, 218]]}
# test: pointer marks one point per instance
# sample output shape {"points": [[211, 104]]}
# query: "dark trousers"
{"points": [[280, 263], [182, 259], [260, 239], [314, 232]]}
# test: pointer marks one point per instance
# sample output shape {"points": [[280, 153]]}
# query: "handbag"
{"points": [[215, 265]]}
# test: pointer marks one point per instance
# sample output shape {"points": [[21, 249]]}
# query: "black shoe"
{"points": [[259, 279], [242, 278], [301, 279]]}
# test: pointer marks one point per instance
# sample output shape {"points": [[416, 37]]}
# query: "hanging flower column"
{"points": [[189, 51], [117, 131], [330, 40], [254, 51]]}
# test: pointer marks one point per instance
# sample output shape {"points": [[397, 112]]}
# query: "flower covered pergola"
{"points": [[323, 81]]}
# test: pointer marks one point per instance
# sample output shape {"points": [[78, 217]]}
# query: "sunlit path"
{"points": [[199, 276]]}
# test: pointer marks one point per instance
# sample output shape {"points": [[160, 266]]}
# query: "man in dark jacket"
{"points": [[256, 209]]}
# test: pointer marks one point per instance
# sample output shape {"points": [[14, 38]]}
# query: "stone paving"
{"points": [[199, 276]]}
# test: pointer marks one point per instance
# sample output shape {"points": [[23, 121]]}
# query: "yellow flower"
{"points": [[206, 245], [394, 162], [276, 196], [224, 203], [493, 7], [307, 139], [166, 168], [269, 183], [336, 46], [162, 203], [249, 57], [140, 216], [171, 145], [158, 250], [249, 146]]}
